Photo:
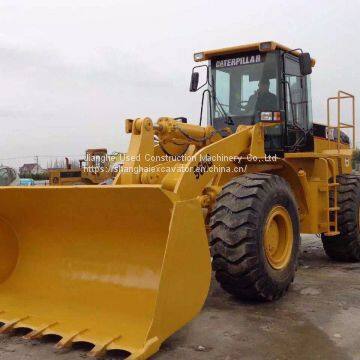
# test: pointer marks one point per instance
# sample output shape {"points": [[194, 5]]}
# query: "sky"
{"points": [[71, 72]]}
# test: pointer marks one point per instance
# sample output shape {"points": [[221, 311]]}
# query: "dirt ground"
{"points": [[318, 319]]}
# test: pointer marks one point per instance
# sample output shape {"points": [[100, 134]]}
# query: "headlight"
{"points": [[266, 116], [269, 116]]}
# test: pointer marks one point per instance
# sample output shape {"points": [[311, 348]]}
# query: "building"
{"points": [[31, 169]]}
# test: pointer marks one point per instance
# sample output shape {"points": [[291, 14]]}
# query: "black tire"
{"points": [[346, 245], [236, 239]]}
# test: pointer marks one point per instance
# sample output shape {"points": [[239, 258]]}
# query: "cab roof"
{"points": [[260, 46]]}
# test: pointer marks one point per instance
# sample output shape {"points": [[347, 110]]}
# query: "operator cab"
{"points": [[260, 82]]}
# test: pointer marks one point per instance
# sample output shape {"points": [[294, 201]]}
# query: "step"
{"points": [[332, 233]]}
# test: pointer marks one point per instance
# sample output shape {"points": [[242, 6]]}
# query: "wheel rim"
{"points": [[278, 237]]}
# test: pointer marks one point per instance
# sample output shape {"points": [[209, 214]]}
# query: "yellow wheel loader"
{"points": [[94, 169], [125, 266]]}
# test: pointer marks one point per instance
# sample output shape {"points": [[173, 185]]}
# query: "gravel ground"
{"points": [[318, 319]]}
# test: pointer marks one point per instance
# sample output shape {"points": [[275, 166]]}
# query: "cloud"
{"points": [[72, 71], [65, 106]]}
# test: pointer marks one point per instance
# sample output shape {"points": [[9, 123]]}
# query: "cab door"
{"points": [[297, 106]]}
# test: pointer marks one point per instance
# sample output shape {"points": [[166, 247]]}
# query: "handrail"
{"points": [[341, 95]]}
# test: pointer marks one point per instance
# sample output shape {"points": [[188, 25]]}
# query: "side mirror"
{"points": [[305, 64], [194, 83]]}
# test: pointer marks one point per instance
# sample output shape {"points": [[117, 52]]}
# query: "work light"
{"points": [[199, 56]]}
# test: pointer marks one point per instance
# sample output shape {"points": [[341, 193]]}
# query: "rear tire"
{"points": [[243, 211], [346, 245]]}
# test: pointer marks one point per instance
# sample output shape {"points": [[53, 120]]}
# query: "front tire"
{"points": [[255, 237]]}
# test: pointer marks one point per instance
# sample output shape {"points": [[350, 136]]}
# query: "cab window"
{"points": [[245, 85], [296, 94]]}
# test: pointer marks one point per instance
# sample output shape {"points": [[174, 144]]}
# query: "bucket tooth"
{"points": [[151, 347], [99, 350], [11, 325], [67, 341], [37, 334]]}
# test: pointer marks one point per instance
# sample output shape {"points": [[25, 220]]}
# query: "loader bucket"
{"points": [[121, 267]]}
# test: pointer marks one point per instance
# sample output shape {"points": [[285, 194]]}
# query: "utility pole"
{"points": [[37, 164]]}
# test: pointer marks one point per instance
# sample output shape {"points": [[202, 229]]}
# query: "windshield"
{"points": [[245, 85]]}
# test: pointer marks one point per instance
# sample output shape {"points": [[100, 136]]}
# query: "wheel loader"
{"points": [[94, 169], [125, 266]]}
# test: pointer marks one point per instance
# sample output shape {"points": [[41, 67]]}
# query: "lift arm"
{"points": [[194, 173]]}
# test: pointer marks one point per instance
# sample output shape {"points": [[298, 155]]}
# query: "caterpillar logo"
{"points": [[243, 60]]}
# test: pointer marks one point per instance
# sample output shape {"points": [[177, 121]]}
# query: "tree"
{"points": [[356, 158]]}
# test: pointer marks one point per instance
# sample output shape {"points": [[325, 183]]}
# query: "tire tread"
{"points": [[346, 245], [233, 224]]}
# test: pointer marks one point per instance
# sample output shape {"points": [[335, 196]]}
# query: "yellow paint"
{"points": [[124, 266], [278, 237], [321, 144], [209, 54], [90, 176], [95, 264], [56, 177]]}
